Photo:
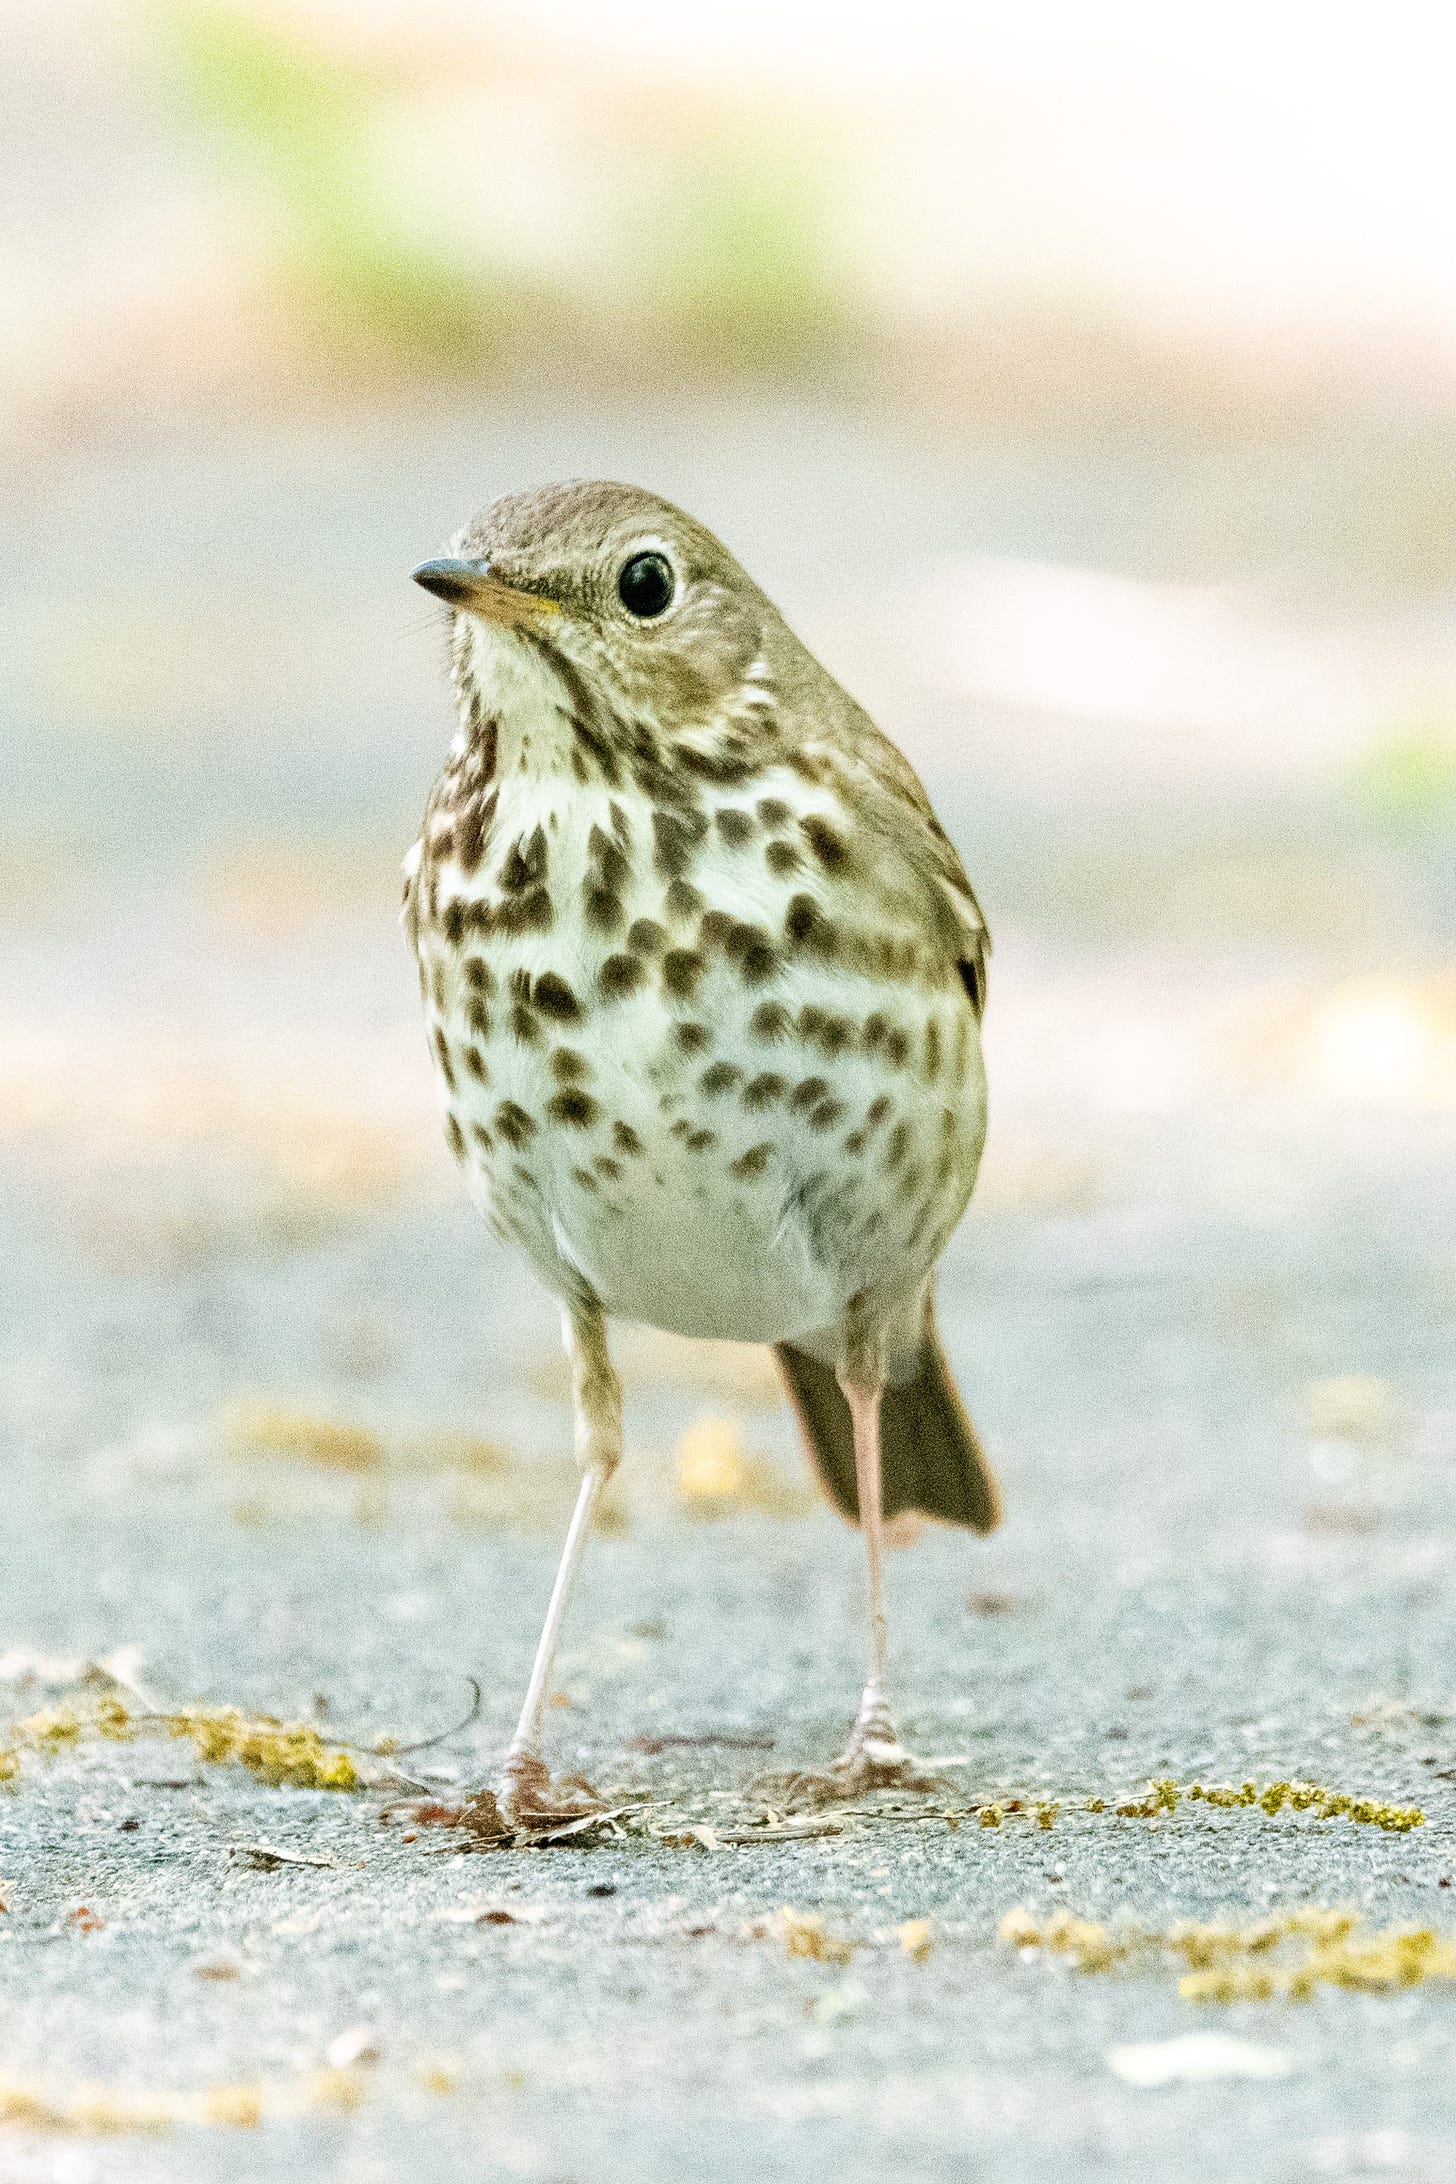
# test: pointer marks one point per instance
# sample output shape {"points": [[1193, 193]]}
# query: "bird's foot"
{"points": [[875, 1759], [533, 1801]]}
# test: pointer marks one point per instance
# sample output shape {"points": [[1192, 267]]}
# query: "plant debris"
{"points": [[1310, 1797], [803, 1934], [1286, 1955], [282, 1754], [481, 1818], [268, 1857], [914, 1939], [100, 2111], [653, 1745]]}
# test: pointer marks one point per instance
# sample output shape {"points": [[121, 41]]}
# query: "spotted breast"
{"points": [[701, 1053]]}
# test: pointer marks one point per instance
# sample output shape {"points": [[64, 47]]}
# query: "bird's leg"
{"points": [[874, 1757], [530, 1797]]}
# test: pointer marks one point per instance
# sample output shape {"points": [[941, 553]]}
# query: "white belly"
{"points": [[738, 1159]]}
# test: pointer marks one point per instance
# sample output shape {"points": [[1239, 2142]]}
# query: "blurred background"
{"points": [[1078, 380]]}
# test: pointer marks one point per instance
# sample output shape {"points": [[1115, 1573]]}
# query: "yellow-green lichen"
{"points": [[1311, 1797], [282, 1754], [1284, 1956]]}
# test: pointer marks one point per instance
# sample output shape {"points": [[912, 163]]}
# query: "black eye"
{"points": [[646, 586]]}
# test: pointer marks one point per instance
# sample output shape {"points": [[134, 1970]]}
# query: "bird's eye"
{"points": [[646, 585]]}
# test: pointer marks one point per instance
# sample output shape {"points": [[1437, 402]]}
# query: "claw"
{"points": [[875, 1759], [530, 1800]]}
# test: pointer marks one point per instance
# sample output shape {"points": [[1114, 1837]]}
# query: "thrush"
{"points": [[703, 980]]}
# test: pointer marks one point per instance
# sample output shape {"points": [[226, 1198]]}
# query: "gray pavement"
{"points": [[1202, 1310]]}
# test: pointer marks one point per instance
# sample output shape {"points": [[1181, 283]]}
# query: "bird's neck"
{"points": [[530, 713]]}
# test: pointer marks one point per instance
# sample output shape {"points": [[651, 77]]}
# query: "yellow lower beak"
{"points": [[471, 588]]}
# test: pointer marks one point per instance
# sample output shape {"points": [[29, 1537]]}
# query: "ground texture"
{"points": [[284, 1434]]}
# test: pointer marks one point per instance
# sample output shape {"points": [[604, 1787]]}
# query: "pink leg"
{"points": [[875, 1755]]}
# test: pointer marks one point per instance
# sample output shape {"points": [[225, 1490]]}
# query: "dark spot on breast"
{"points": [[826, 1114], [514, 1124], [692, 1038], [735, 826], [751, 1163], [603, 910], [826, 843], [525, 862], [607, 861], [675, 837], [454, 922], [479, 974], [782, 859], [470, 838], [773, 811], [477, 1016], [569, 1067], [807, 928], [524, 1025], [854, 1144], [809, 1093], [555, 998], [573, 1107], [625, 1138], [898, 1145], [682, 901], [700, 1141], [877, 1112], [482, 1137], [532, 913], [770, 1020], [484, 738], [646, 937], [454, 1137], [585, 1178], [475, 1063], [715, 929], [932, 1048], [721, 1077], [620, 975], [749, 947], [830, 1033], [442, 1056], [762, 1091], [611, 1169], [681, 970], [897, 1047], [728, 765]]}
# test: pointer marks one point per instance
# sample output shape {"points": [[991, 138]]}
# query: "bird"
{"points": [[703, 980]]}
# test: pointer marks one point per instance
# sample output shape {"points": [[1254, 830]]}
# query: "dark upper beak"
{"points": [[474, 588]]}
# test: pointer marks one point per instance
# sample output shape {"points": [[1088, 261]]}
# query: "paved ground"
{"points": [[1203, 1312], [1197, 1578]]}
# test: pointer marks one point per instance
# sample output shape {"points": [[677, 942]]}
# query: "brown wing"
{"points": [[888, 794]]}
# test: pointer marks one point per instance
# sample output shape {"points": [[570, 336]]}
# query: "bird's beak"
{"points": [[474, 588]]}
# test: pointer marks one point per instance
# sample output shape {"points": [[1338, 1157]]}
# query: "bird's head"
{"points": [[616, 583]]}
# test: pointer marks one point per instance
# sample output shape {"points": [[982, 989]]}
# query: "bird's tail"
{"points": [[931, 1458]]}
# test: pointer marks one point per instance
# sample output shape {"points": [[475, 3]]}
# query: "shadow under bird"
{"points": [[704, 981]]}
